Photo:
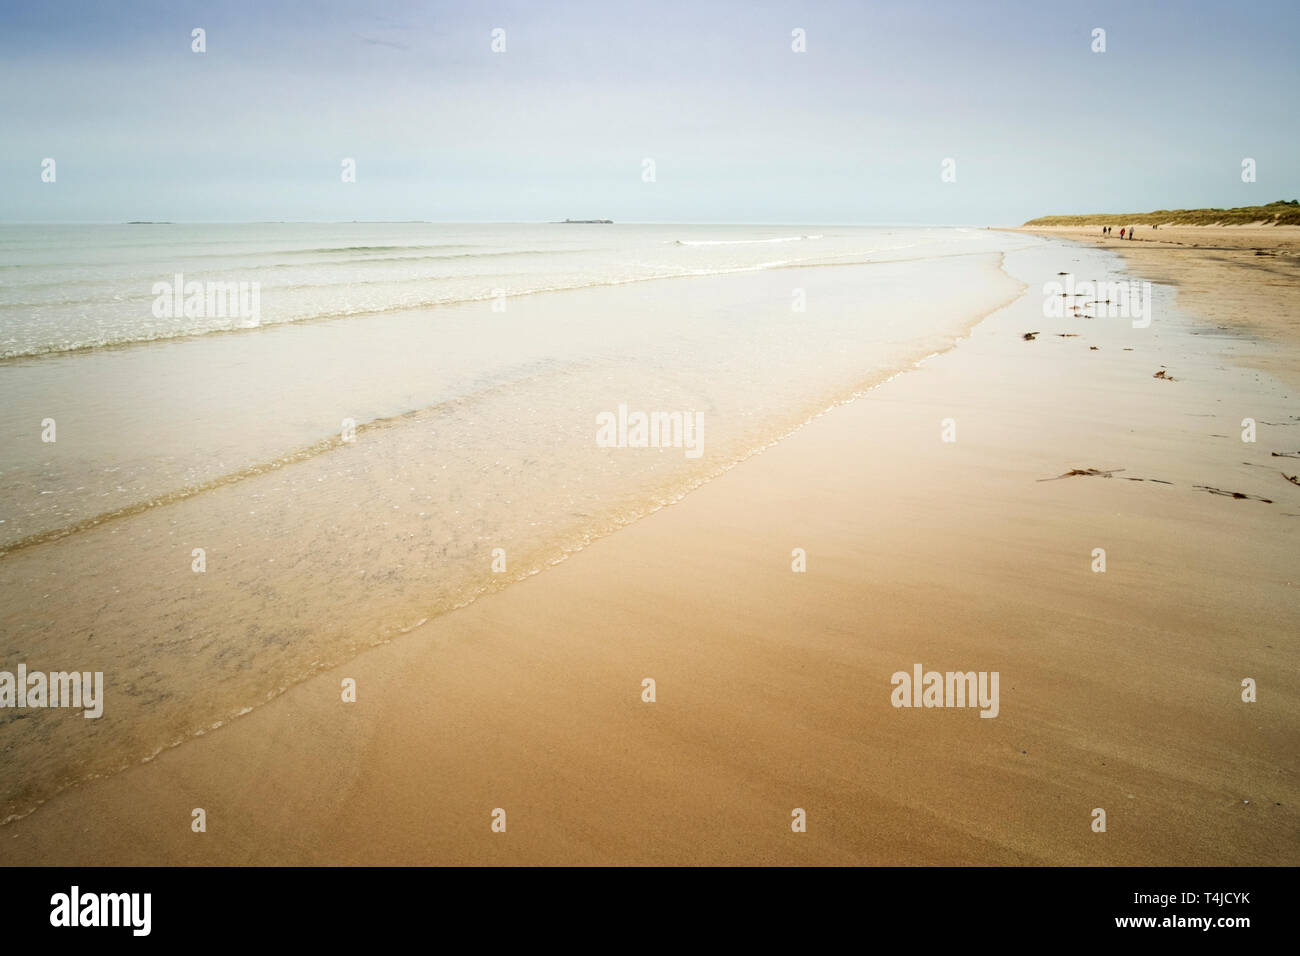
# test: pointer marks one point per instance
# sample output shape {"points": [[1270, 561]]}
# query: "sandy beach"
{"points": [[1237, 277], [1120, 690]]}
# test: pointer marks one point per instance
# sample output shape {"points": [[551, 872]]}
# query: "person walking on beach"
{"points": [[1121, 232]]}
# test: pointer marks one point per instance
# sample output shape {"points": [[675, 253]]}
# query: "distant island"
{"points": [[1281, 213], [590, 222]]}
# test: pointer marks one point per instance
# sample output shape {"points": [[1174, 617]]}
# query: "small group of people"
{"points": [[1106, 231]]}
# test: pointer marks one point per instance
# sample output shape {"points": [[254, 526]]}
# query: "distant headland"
{"points": [[590, 222]]}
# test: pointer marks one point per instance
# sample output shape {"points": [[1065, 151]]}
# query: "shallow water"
{"points": [[475, 440]]}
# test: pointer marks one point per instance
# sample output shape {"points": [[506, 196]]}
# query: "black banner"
{"points": [[320, 905]]}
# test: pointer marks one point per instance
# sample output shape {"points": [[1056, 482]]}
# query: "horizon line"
{"points": [[487, 222]]}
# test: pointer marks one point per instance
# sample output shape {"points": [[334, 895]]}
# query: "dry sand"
{"points": [[1119, 690]]}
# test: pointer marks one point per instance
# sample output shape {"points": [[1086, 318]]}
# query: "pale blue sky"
{"points": [[741, 128]]}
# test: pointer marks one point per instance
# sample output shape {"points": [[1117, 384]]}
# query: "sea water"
{"points": [[210, 508]]}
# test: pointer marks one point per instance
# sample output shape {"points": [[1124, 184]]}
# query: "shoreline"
{"points": [[306, 576], [860, 391], [1207, 265], [774, 686]]}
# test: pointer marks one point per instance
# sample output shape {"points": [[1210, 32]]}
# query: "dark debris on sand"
{"points": [[1087, 472], [1234, 494], [1109, 473]]}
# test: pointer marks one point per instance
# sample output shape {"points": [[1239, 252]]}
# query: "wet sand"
{"points": [[1235, 277], [1119, 690]]}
